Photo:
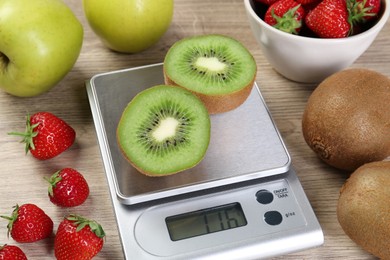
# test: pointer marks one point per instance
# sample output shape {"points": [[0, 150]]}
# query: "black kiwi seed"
{"points": [[224, 76]]}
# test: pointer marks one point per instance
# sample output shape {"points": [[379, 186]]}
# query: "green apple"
{"points": [[40, 41], [129, 26]]}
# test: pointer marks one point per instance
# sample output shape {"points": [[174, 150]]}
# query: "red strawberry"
{"points": [[29, 223], [329, 19], [307, 2], [68, 188], [308, 5], [46, 135], [78, 238], [266, 2], [285, 15], [9, 252]]}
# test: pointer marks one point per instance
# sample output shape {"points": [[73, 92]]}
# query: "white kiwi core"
{"points": [[210, 63], [166, 129]]}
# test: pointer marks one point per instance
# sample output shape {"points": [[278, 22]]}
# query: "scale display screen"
{"points": [[205, 221]]}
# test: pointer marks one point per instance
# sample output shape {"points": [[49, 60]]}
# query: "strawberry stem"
{"points": [[28, 135], [11, 219], [82, 222], [53, 180], [289, 22], [357, 12]]}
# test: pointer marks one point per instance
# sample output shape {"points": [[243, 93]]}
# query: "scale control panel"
{"points": [[246, 214]]}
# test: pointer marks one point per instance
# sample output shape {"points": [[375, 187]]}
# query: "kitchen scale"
{"points": [[243, 201]]}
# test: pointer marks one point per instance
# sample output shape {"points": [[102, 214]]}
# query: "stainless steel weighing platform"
{"points": [[246, 172]]}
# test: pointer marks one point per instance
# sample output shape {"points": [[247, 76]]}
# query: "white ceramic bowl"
{"points": [[310, 60]]}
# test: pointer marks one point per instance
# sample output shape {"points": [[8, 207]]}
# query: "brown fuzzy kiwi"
{"points": [[216, 68], [363, 209], [347, 118]]}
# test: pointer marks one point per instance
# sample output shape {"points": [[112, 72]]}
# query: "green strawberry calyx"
{"points": [[82, 222], [12, 218], [3, 246], [357, 12], [53, 180], [289, 22], [28, 135]]}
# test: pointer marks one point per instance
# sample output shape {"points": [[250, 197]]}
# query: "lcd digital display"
{"points": [[205, 221]]}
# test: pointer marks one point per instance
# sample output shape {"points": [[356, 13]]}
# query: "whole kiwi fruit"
{"points": [[363, 209], [347, 118]]}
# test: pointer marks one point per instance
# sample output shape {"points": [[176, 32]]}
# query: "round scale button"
{"points": [[264, 196], [273, 218]]}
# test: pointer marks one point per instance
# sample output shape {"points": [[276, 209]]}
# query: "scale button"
{"points": [[273, 218], [264, 196]]}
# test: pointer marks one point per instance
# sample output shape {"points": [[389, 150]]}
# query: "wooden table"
{"points": [[22, 176]]}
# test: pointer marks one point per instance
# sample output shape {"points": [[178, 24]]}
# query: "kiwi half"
{"points": [[164, 130], [217, 68]]}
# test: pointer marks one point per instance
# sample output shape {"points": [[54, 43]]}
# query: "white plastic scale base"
{"points": [[243, 201]]}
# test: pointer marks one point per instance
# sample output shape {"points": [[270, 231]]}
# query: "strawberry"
{"points": [[307, 2], [266, 2], [29, 223], [330, 19], [78, 238], [46, 135], [285, 15], [9, 252], [308, 5], [68, 188]]}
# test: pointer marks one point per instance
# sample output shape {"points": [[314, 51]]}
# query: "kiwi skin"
{"points": [[346, 121], [219, 103], [363, 209]]}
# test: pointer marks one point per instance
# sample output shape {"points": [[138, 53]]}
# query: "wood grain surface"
{"points": [[21, 176]]}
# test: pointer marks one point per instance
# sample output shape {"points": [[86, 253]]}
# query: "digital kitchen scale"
{"points": [[243, 201]]}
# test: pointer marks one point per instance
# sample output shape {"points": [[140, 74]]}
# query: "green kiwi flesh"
{"points": [[164, 130], [213, 67]]}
